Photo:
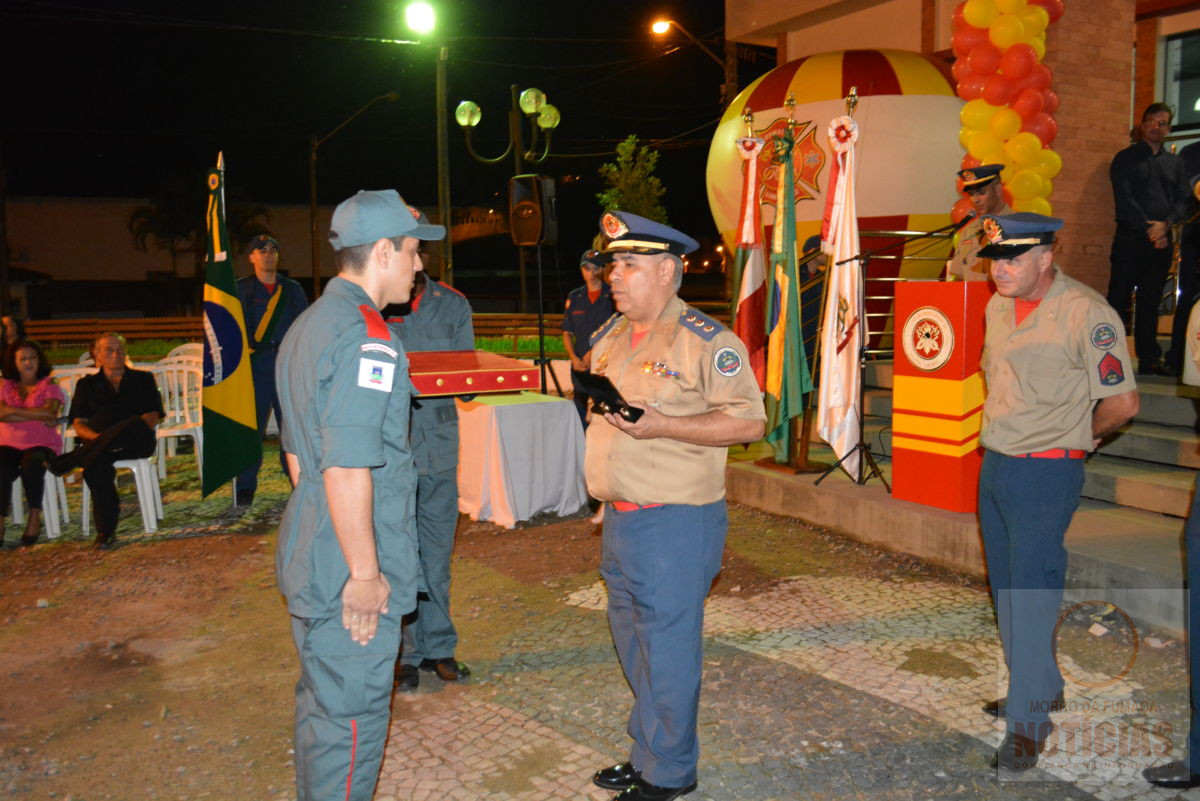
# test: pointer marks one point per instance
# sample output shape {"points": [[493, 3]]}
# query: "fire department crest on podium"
{"points": [[928, 338]]}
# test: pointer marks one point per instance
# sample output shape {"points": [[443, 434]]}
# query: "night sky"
{"points": [[114, 99]]}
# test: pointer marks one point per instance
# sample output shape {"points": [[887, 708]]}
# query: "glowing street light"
{"points": [[420, 18], [728, 64]]}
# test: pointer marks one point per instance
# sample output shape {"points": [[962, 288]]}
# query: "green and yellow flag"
{"points": [[231, 440]]}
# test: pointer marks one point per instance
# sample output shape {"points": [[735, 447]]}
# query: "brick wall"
{"points": [[1091, 54], [1146, 55]]}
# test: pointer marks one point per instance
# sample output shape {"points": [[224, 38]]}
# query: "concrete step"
{"points": [[1167, 402], [1164, 489], [1149, 442]]}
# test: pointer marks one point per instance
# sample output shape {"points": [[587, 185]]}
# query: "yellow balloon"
{"points": [[1047, 164], [1042, 206], [1047, 187], [1011, 6], [1006, 30], [983, 143], [1025, 185], [964, 136], [976, 114], [994, 157], [1036, 20], [1004, 123], [980, 13], [1023, 148], [1038, 43]]}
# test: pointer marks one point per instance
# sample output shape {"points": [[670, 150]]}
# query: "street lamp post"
{"points": [[313, 144], [543, 117], [728, 64]]}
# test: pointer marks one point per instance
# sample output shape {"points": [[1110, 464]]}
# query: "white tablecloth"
{"points": [[519, 455]]}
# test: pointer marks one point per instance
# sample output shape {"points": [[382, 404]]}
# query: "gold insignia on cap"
{"points": [[613, 225], [992, 230], [968, 176], [416, 214]]}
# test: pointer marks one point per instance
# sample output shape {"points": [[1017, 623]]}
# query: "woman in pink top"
{"points": [[30, 403]]}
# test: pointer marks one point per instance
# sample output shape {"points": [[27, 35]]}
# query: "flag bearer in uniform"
{"points": [[986, 193], [347, 552], [270, 304], [663, 480], [1059, 379]]}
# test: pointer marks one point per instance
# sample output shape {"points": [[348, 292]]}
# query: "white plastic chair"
{"points": [[54, 505], [149, 494], [189, 350], [180, 381], [67, 378]]}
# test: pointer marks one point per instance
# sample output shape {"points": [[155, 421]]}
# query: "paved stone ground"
{"points": [[823, 687]]}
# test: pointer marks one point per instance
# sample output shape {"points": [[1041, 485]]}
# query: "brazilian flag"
{"points": [[231, 439]]}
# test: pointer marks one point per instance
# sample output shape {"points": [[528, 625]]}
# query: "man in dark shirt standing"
{"points": [[271, 302], [1189, 266], [587, 308], [1150, 191]]}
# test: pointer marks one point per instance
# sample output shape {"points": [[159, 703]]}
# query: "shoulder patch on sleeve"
{"points": [[727, 362], [376, 347], [700, 323], [1112, 372], [605, 328], [1104, 336], [374, 374], [376, 327]]}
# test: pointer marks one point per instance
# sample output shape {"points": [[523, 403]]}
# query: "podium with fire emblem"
{"points": [[938, 393]]}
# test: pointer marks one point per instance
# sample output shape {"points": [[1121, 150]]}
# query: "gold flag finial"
{"points": [[748, 118], [852, 100], [790, 105]]}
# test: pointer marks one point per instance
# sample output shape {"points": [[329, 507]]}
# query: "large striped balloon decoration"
{"points": [[1009, 114]]}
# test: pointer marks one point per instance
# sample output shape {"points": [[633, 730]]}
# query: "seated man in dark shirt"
{"points": [[114, 412]]}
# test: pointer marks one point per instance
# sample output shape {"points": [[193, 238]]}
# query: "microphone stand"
{"points": [[861, 447]]}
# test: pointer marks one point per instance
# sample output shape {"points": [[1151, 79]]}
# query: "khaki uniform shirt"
{"points": [[1045, 375], [686, 364], [964, 264], [1191, 359]]}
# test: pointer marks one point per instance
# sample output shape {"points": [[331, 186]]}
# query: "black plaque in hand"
{"points": [[605, 397]]}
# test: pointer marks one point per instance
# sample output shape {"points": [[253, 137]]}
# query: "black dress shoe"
{"points": [[62, 464], [244, 498], [1173, 776], [407, 678], [999, 707], [618, 777], [644, 791], [447, 669], [104, 541], [1018, 752], [1153, 368]]}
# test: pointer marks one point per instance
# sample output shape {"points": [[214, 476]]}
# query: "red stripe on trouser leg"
{"points": [[353, 756]]}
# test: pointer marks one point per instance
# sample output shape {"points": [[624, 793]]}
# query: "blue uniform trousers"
{"points": [[343, 703], [659, 564], [1025, 507], [430, 634], [262, 371]]}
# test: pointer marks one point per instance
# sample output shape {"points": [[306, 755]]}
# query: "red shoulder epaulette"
{"points": [[452, 289], [376, 327]]}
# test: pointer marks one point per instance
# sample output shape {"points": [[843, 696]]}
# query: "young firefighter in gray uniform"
{"points": [[663, 480], [437, 318], [347, 552]]}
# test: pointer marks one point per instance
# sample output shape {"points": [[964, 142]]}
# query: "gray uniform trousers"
{"points": [[431, 635], [342, 707], [659, 564]]}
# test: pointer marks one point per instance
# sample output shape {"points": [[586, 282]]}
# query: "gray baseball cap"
{"points": [[372, 215]]}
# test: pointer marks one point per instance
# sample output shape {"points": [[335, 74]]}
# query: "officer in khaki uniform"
{"points": [[346, 558], [1059, 378], [986, 193], [663, 480], [437, 318]]}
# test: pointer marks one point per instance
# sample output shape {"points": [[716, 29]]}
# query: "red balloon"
{"points": [[1018, 61], [972, 87], [969, 162], [960, 70], [1050, 101], [1027, 102], [1053, 7], [1040, 77], [1043, 126], [956, 17], [984, 59], [961, 209], [966, 39], [998, 90]]}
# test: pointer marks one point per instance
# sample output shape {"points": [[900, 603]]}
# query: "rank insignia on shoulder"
{"points": [[376, 327], [1111, 370], [605, 328], [700, 324]]}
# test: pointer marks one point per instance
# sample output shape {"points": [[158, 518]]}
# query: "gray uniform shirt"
{"points": [[343, 384], [439, 319]]}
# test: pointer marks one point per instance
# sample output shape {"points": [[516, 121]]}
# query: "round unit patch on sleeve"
{"points": [[1104, 336], [728, 362]]}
